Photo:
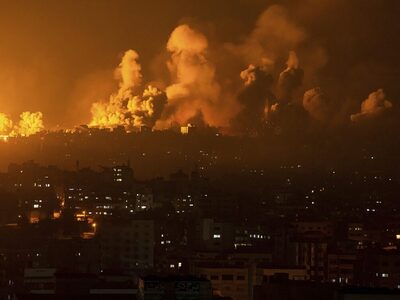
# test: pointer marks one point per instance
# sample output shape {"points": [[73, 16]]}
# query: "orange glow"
{"points": [[5, 124], [30, 123]]}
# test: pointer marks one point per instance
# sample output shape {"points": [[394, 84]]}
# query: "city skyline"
{"points": [[199, 150]]}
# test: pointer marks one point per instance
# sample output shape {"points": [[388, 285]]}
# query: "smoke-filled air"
{"points": [[263, 89], [267, 77], [376, 104]]}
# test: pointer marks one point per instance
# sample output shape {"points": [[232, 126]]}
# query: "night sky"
{"points": [[59, 57]]}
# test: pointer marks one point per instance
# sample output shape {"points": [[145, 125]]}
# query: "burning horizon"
{"points": [[238, 86], [29, 123]]}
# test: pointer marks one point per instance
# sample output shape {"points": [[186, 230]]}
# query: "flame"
{"points": [[143, 108], [127, 108], [114, 113], [5, 124], [30, 123]]}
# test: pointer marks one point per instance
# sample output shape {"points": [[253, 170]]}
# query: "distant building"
{"points": [[188, 129], [126, 245], [354, 293], [184, 204], [378, 268], [51, 284], [144, 201], [179, 288], [34, 189], [237, 280], [217, 236], [341, 267], [294, 290], [311, 252]]}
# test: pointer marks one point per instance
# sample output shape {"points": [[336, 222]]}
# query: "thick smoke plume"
{"points": [[194, 91], [317, 104], [129, 71], [125, 107], [274, 34], [255, 99], [374, 105], [290, 79], [205, 83], [235, 78], [147, 108]]}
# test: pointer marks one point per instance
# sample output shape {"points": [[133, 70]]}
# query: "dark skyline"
{"points": [[203, 150]]}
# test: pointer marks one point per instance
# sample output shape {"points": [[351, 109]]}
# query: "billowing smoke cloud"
{"points": [[317, 104], [194, 90], [114, 112], [254, 73], [197, 93], [273, 35], [147, 109], [374, 105], [290, 79], [5, 124], [125, 108], [129, 71], [255, 99], [249, 75]]}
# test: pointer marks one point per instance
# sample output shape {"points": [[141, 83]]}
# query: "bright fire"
{"points": [[30, 123]]}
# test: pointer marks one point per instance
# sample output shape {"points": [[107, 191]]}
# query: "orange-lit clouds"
{"points": [[72, 50], [126, 107], [317, 104], [129, 71], [374, 105], [194, 90], [114, 112], [273, 36], [290, 79]]}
